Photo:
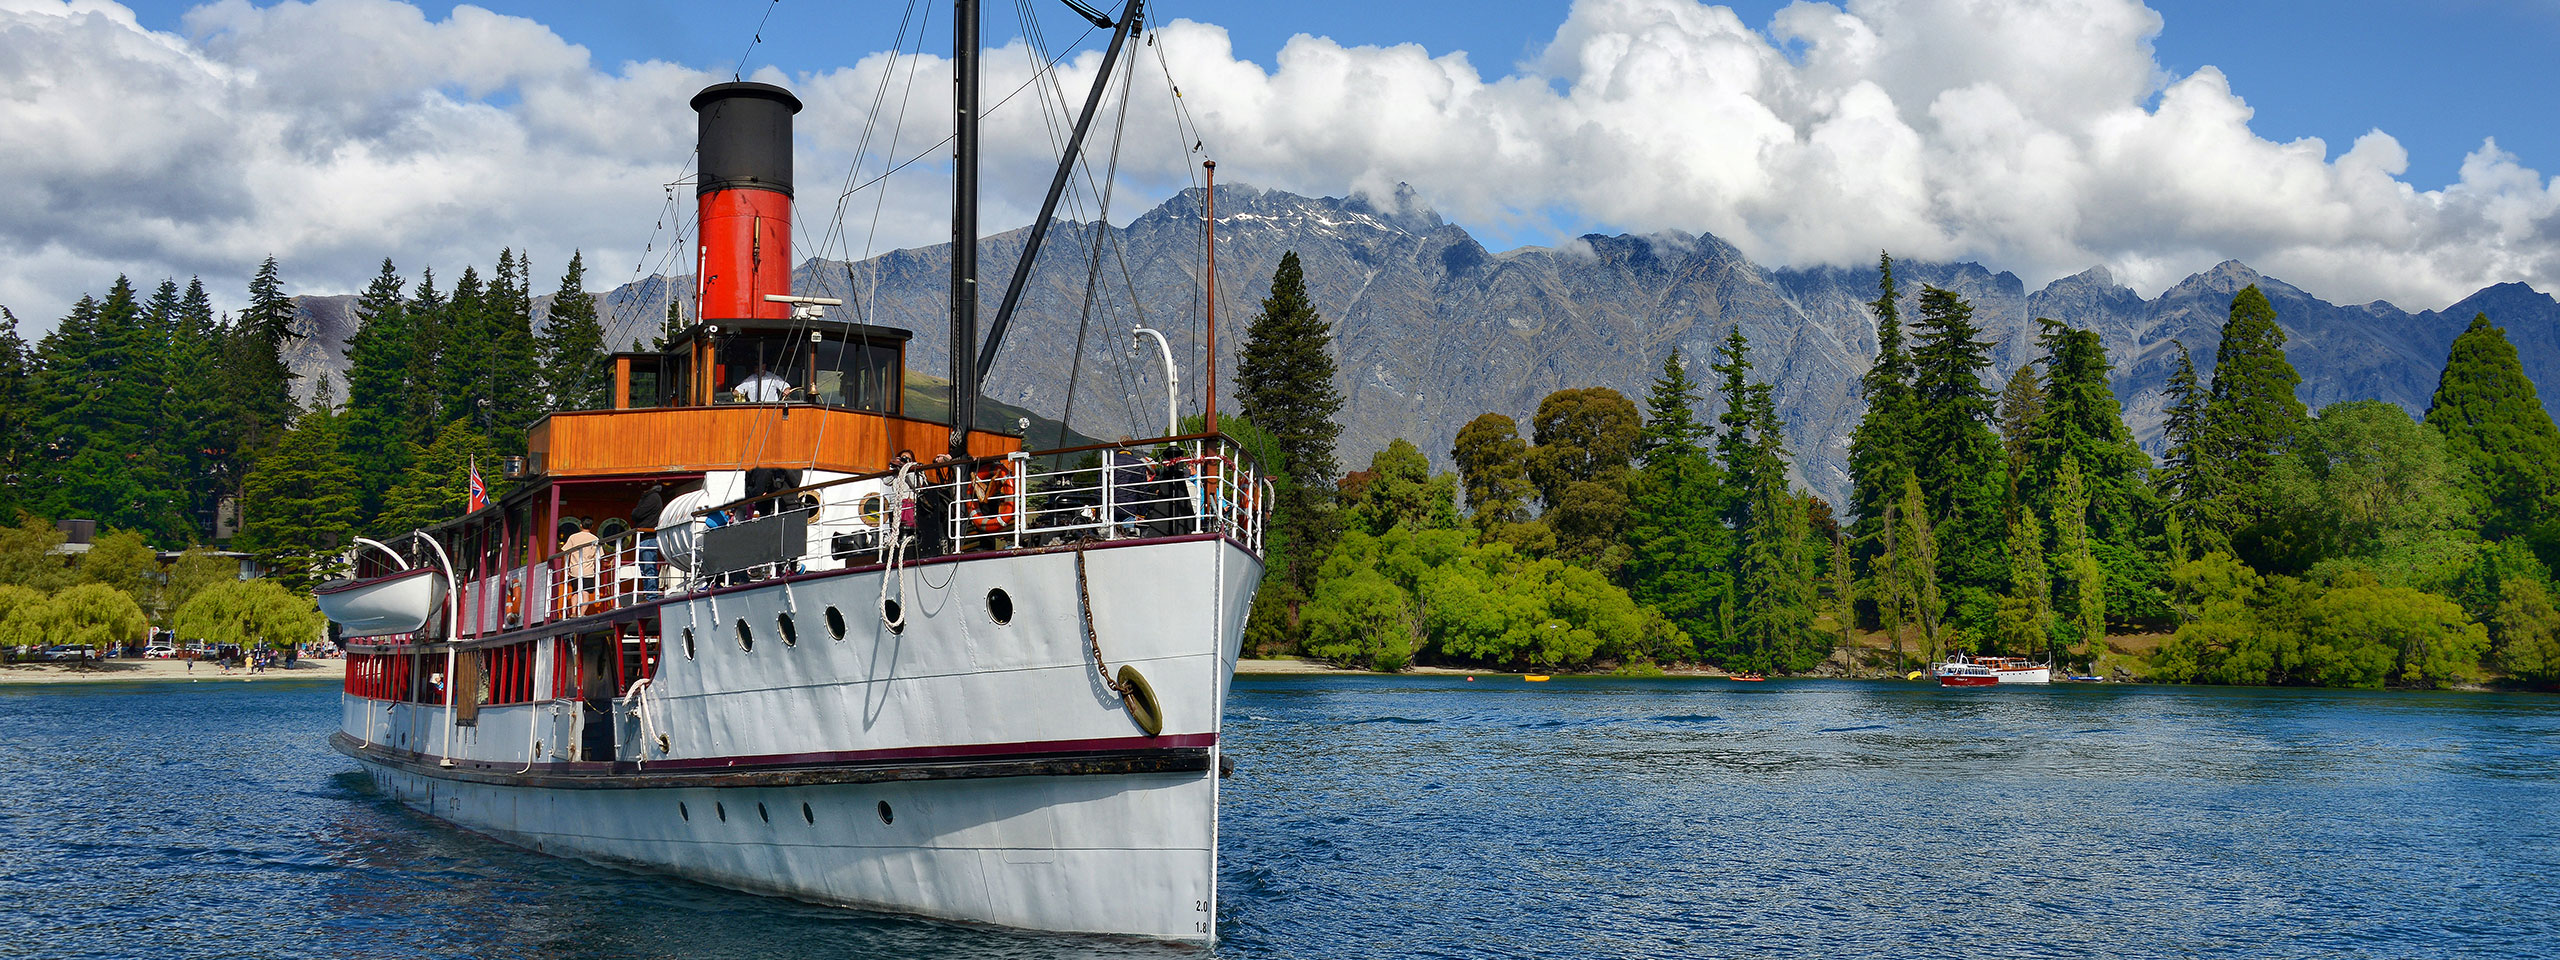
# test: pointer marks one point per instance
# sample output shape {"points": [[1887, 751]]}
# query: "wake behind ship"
{"points": [[745, 628]]}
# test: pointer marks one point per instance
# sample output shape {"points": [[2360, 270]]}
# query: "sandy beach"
{"points": [[164, 671]]}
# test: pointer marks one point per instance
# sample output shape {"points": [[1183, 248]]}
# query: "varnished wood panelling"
{"points": [[688, 439]]}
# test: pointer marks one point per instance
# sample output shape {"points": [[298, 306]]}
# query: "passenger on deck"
{"points": [[578, 554], [1129, 488]]}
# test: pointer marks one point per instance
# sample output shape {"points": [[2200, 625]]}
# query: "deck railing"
{"points": [[1157, 488]]}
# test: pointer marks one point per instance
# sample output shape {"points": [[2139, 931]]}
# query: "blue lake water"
{"points": [[1431, 817]]}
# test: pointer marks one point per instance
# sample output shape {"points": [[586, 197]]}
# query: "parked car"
{"points": [[159, 651], [64, 651]]}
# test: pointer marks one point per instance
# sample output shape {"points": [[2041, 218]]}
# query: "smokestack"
{"points": [[744, 194]]}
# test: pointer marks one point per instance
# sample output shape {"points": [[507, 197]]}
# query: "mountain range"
{"points": [[1432, 329]]}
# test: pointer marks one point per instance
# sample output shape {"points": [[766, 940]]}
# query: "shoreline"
{"points": [[164, 671]]}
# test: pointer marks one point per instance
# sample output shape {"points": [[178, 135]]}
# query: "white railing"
{"points": [[1158, 488]]}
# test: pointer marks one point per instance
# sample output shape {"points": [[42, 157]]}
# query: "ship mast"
{"points": [[964, 223]]}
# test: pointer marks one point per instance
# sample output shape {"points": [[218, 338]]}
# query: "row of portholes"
{"points": [[807, 814], [999, 609]]}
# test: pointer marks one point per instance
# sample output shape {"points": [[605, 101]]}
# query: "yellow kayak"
{"points": [[1535, 678]]}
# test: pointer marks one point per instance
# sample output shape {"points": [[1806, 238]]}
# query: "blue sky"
{"points": [[2439, 75], [2042, 137]]}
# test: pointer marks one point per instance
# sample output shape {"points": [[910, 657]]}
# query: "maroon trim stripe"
{"points": [[959, 751]]}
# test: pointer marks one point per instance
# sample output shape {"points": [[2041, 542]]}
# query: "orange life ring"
{"points": [[992, 503]]}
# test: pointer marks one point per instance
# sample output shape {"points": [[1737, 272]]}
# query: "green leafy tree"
{"points": [[13, 599], [576, 373], [249, 614], [1586, 435], [2525, 631], [86, 615], [1917, 543], [1285, 380], [2495, 428], [120, 559], [2361, 480], [300, 507], [27, 558], [194, 571], [1493, 467], [1402, 490]]}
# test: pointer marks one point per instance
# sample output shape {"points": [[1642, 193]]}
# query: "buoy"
{"points": [[1915, 675], [1140, 698], [1471, 679]]}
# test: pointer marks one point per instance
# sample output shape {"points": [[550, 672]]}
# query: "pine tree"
{"points": [[101, 384], [1886, 583], [1918, 540], [377, 419], [1285, 381], [1844, 592], [1733, 438], [2189, 479], [429, 314], [299, 506], [436, 487], [1879, 451], [203, 461], [462, 365], [2026, 610], [2021, 411], [2254, 412], [575, 370], [2082, 422], [2494, 425], [1962, 476], [515, 375], [2085, 590], [18, 431], [1678, 547], [259, 387]]}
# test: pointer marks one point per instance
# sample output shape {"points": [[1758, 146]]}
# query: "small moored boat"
{"points": [[1964, 671]]}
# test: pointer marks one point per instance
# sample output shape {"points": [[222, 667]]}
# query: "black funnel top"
{"points": [[745, 136]]}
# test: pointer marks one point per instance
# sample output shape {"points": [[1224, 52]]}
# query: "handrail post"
{"points": [[1020, 465], [1110, 499]]}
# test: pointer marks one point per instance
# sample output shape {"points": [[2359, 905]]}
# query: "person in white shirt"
{"points": [[764, 387]]}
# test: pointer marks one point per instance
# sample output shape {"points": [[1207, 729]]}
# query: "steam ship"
{"points": [[986, 688]]}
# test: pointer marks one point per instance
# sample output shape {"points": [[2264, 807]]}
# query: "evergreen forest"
{"points": [[177, 428], [2351, 546]]}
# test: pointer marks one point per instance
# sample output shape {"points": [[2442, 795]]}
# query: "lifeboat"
{"points": [[401, 602]]}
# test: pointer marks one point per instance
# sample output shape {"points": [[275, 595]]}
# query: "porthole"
{"points": [[761, 814], [835, 622], [746, 636], [722, 809], [682, 812], [688, 643], [889, 612], [1000, 605], [885, 815], [808, 814], [790, 634]]}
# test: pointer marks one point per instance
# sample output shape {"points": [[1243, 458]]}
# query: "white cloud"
{"points": [[2039, 136]]}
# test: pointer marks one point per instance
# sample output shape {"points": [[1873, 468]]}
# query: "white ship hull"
{"points": [[1019, 790]]}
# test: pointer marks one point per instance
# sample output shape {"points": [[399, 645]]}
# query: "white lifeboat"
{"points": [[400, 602]]}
